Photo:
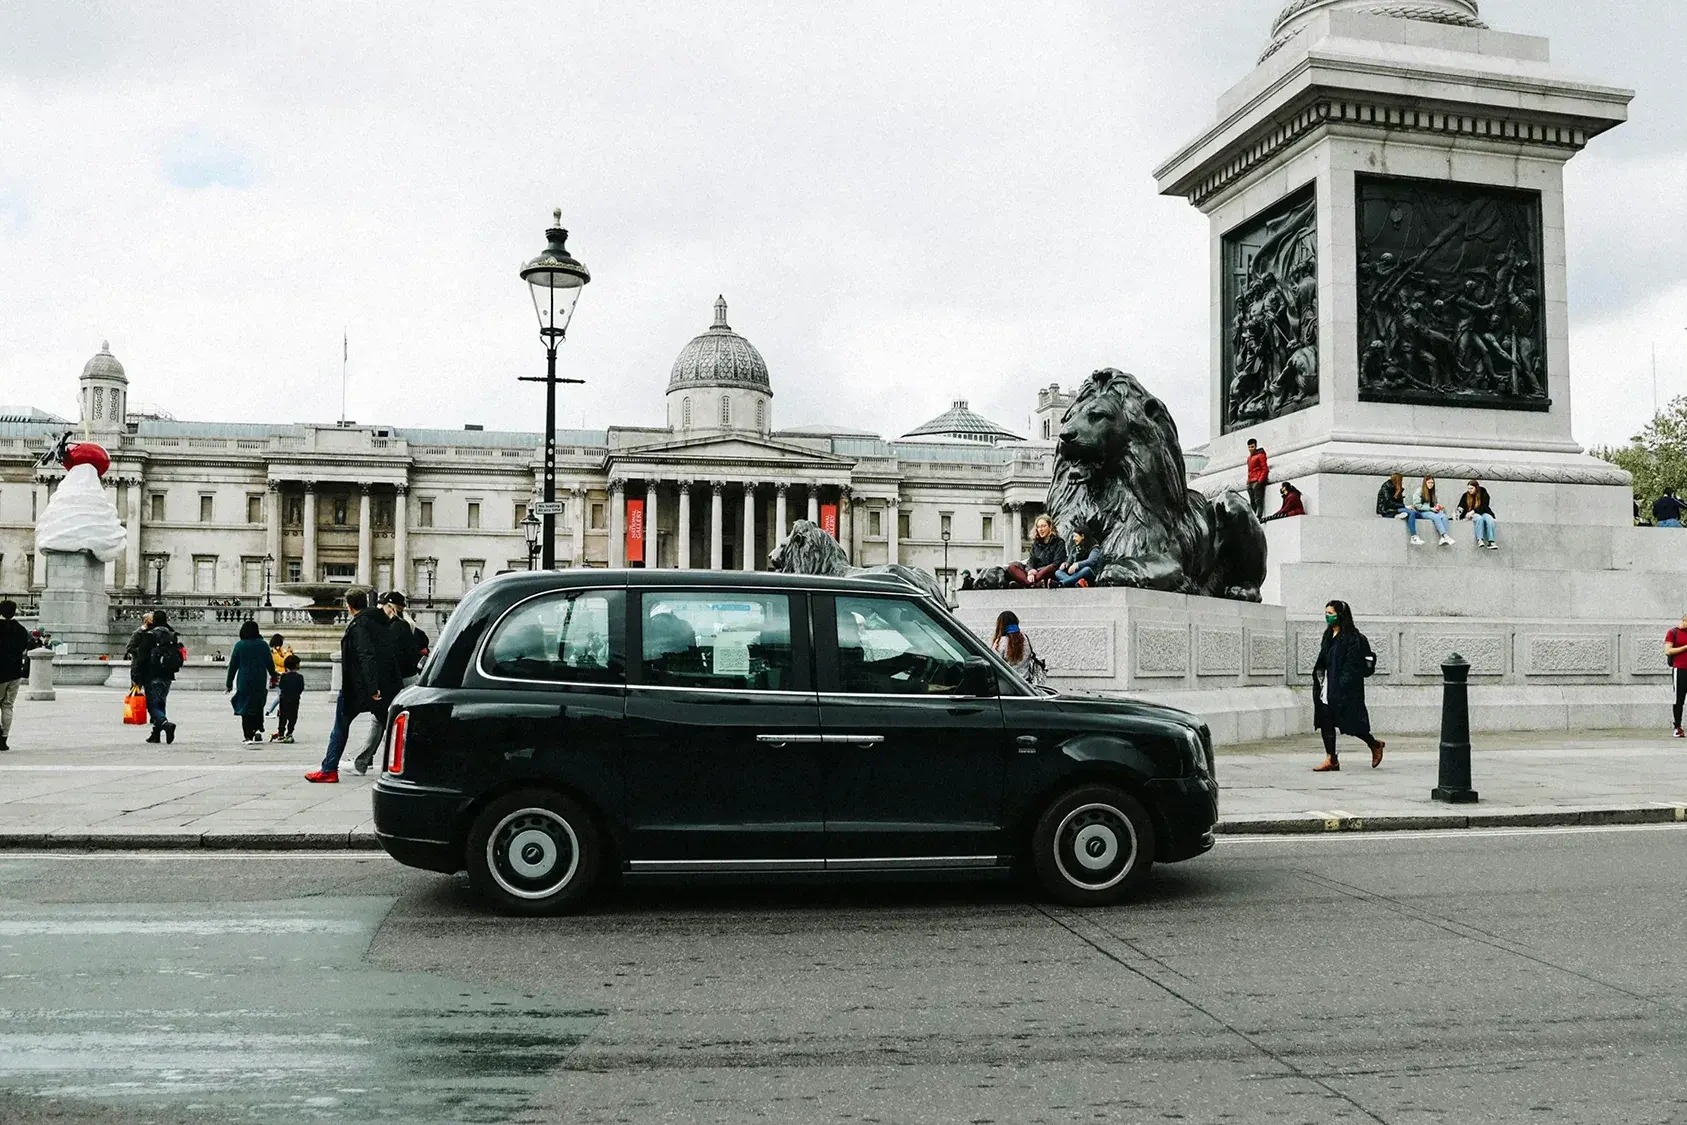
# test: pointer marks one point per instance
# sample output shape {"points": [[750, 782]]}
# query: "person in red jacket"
{"points": [[1675, 651], [1258, 474]]}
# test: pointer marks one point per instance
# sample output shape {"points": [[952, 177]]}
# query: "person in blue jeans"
{"points": [[1666, 510], [1474, 506], [157, 656], [365, 663], [1083, 563], [1425, 506]]}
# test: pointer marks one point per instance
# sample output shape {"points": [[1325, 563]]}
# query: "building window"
{"points": [[424, 513], [383, 576], [1045, 429], [207, 505], [35, 502], [99, 401], [876, 523], [726, 410], [473, 571], [204, 574], [254, 508], [381, 512], [597, 517], [29, 569], [945, 524], [685, 411], [761, 414], [251, 576], [520, 514], [474, 514], [340, 504], [902, 525], [294, 511], [987, 529], [345, 573], [295, 570]]}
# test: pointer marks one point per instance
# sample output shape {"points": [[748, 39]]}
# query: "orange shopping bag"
{"points": [[134, 707]]}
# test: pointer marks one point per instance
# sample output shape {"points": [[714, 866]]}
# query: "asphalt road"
{"points": [[1523, 976]]}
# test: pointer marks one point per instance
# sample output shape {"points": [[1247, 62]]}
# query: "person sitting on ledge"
{"points": [[1083, 562], [1473, 505], [1425, 506], [1292, 505], [1391, 498], [1666, 510], [1047, 553]]}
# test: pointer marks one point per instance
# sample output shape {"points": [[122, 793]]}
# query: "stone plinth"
{"points": [[1223, 660], [75, 608]]}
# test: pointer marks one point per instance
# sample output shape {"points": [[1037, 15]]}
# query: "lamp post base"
{"points": [[1453, 796]]}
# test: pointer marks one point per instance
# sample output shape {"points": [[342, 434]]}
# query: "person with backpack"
{"points": [[1013, 646], [15, 641], [409, 643], [1344, 661], [158, 657], [368, 678]]}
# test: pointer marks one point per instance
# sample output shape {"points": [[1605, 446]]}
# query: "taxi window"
{"points": [[728, 639], [561, 638], [891, 646]]}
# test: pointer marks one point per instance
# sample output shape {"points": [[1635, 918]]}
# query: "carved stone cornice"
{"points": [[1584, 471]]}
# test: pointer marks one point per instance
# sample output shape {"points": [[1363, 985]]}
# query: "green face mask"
{"points": [[1330, 619]]}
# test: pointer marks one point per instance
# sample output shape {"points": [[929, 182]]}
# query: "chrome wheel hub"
{"points": [[1095, 846], [533, 853]]}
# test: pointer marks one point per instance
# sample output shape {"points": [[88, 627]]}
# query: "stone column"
{"points": [[582, 508], [747, 545], [715, 517], [1010, 532], [814, 504], [617, 522], [272, 537], [892, 527], [846, 524], [682, 552], [400, 539], [651, 539], [365, 536], [132, 547], [308, 554], [782, 523]]}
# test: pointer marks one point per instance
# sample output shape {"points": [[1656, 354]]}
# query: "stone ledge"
{"points": [[1570, 817]]}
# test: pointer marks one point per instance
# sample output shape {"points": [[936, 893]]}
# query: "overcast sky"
{"points": [[904, 203]]}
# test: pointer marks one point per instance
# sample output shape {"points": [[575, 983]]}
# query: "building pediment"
{"points": [[728, 449]]}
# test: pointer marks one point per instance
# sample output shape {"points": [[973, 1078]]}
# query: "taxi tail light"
{"points": [[395, 745]]}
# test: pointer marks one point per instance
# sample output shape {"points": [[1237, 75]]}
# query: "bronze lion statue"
{"points": [[1119, 470], [810, 549]]}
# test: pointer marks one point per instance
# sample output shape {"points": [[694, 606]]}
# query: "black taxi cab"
{"points": [[572, 728]]}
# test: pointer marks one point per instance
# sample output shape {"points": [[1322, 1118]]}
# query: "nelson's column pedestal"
{"points": [[1385, 192]]}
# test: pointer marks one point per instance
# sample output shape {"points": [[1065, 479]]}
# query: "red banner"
{"points": [[635, 531], [829, 519]]}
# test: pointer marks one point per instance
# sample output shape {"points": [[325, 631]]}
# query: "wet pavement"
{"points": [[1475, 976]]}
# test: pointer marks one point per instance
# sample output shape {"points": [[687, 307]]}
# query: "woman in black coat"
{"points": [[1338, 686], [249, 667]]}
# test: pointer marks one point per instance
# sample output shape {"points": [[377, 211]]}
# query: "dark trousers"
{"points": [[1256, 496], [1024, 577], [1680, 677], [157, 693], [1329, 734], [287, 717], [343, 716], [252, 722]]}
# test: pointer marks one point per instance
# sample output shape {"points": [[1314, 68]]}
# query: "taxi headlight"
{"points": [[1196, 747]]}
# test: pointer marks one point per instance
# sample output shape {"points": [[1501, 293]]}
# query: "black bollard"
{"points": [[1454, 786]]}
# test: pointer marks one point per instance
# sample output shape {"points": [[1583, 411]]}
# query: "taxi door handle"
{"points": [[854, 739], [786, 739]]}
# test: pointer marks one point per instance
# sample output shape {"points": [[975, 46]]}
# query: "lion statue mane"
{"points": [[810, 549], [1119, 471]]}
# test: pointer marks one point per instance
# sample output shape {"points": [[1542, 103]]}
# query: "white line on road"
{"points": [[1443, 833]]}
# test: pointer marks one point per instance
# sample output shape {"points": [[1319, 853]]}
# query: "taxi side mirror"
{"points": [[978, 677]]}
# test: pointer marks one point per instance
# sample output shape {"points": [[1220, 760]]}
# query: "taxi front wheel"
{"points": [[1093, 846], [533, 852]]}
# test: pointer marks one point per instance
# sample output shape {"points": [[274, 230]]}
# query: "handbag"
{"points": [[134, 707]]}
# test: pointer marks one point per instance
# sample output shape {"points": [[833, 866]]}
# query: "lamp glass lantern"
{"points": [[530, 527]]}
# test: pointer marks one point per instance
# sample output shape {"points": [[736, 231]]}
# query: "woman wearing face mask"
{"points": [[1338, 686]]}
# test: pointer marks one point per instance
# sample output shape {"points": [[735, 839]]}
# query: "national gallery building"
{"points": [[209, 506]]}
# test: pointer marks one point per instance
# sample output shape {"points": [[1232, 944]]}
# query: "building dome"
{"points": [[961, 423], [1296, 13], [719, 357], [104, 365]]}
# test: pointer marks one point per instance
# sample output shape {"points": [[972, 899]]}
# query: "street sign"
{"points": [[546, 508]]}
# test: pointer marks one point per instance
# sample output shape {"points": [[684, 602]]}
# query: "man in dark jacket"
{"points": [[1666, 510], [367, 676], [14, 642], [155, 660], [396, 674]]}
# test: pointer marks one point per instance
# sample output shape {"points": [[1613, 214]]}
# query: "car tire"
{"points": [[534, 852], [1093, 846]]}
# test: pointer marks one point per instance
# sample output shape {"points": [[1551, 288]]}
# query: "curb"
{"points": [[85, 840], [1314, 824]]}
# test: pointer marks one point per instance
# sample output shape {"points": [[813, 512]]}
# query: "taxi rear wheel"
{"points": [[533, 852], [1093, 846]]}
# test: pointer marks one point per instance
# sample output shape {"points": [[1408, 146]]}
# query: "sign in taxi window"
{"points": [[716, 641]]}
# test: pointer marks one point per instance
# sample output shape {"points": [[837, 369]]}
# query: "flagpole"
{"points": [[345, 351]]}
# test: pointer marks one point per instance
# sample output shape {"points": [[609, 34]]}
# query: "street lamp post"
{"points": [[158, 563], [530, 526], [554, 278], [428, 563], [945, 538], [269, 568]]}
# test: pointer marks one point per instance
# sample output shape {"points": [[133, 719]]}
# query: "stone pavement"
{"points": [[78, 778]]}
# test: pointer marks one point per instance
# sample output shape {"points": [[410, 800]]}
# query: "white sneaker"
{"points": [[1446, 541], [1417, 541], [1492, 546]]}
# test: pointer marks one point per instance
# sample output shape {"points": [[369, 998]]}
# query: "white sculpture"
{"points": [[81, 517]]}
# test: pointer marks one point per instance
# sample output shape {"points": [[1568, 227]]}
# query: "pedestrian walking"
{"points": [[278, 654], [1012, 645], [158, 657], [137, 671], [408, 642], [365, 660], [1675, 654], [249, 667], [397, 656], [1344, 661], [290, 692], [1259, 474], [15, 641]]}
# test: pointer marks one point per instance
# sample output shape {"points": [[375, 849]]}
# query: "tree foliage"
{"points": [[1656, 456]]}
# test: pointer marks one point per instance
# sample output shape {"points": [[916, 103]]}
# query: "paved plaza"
{"points": [[76, 775]]}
